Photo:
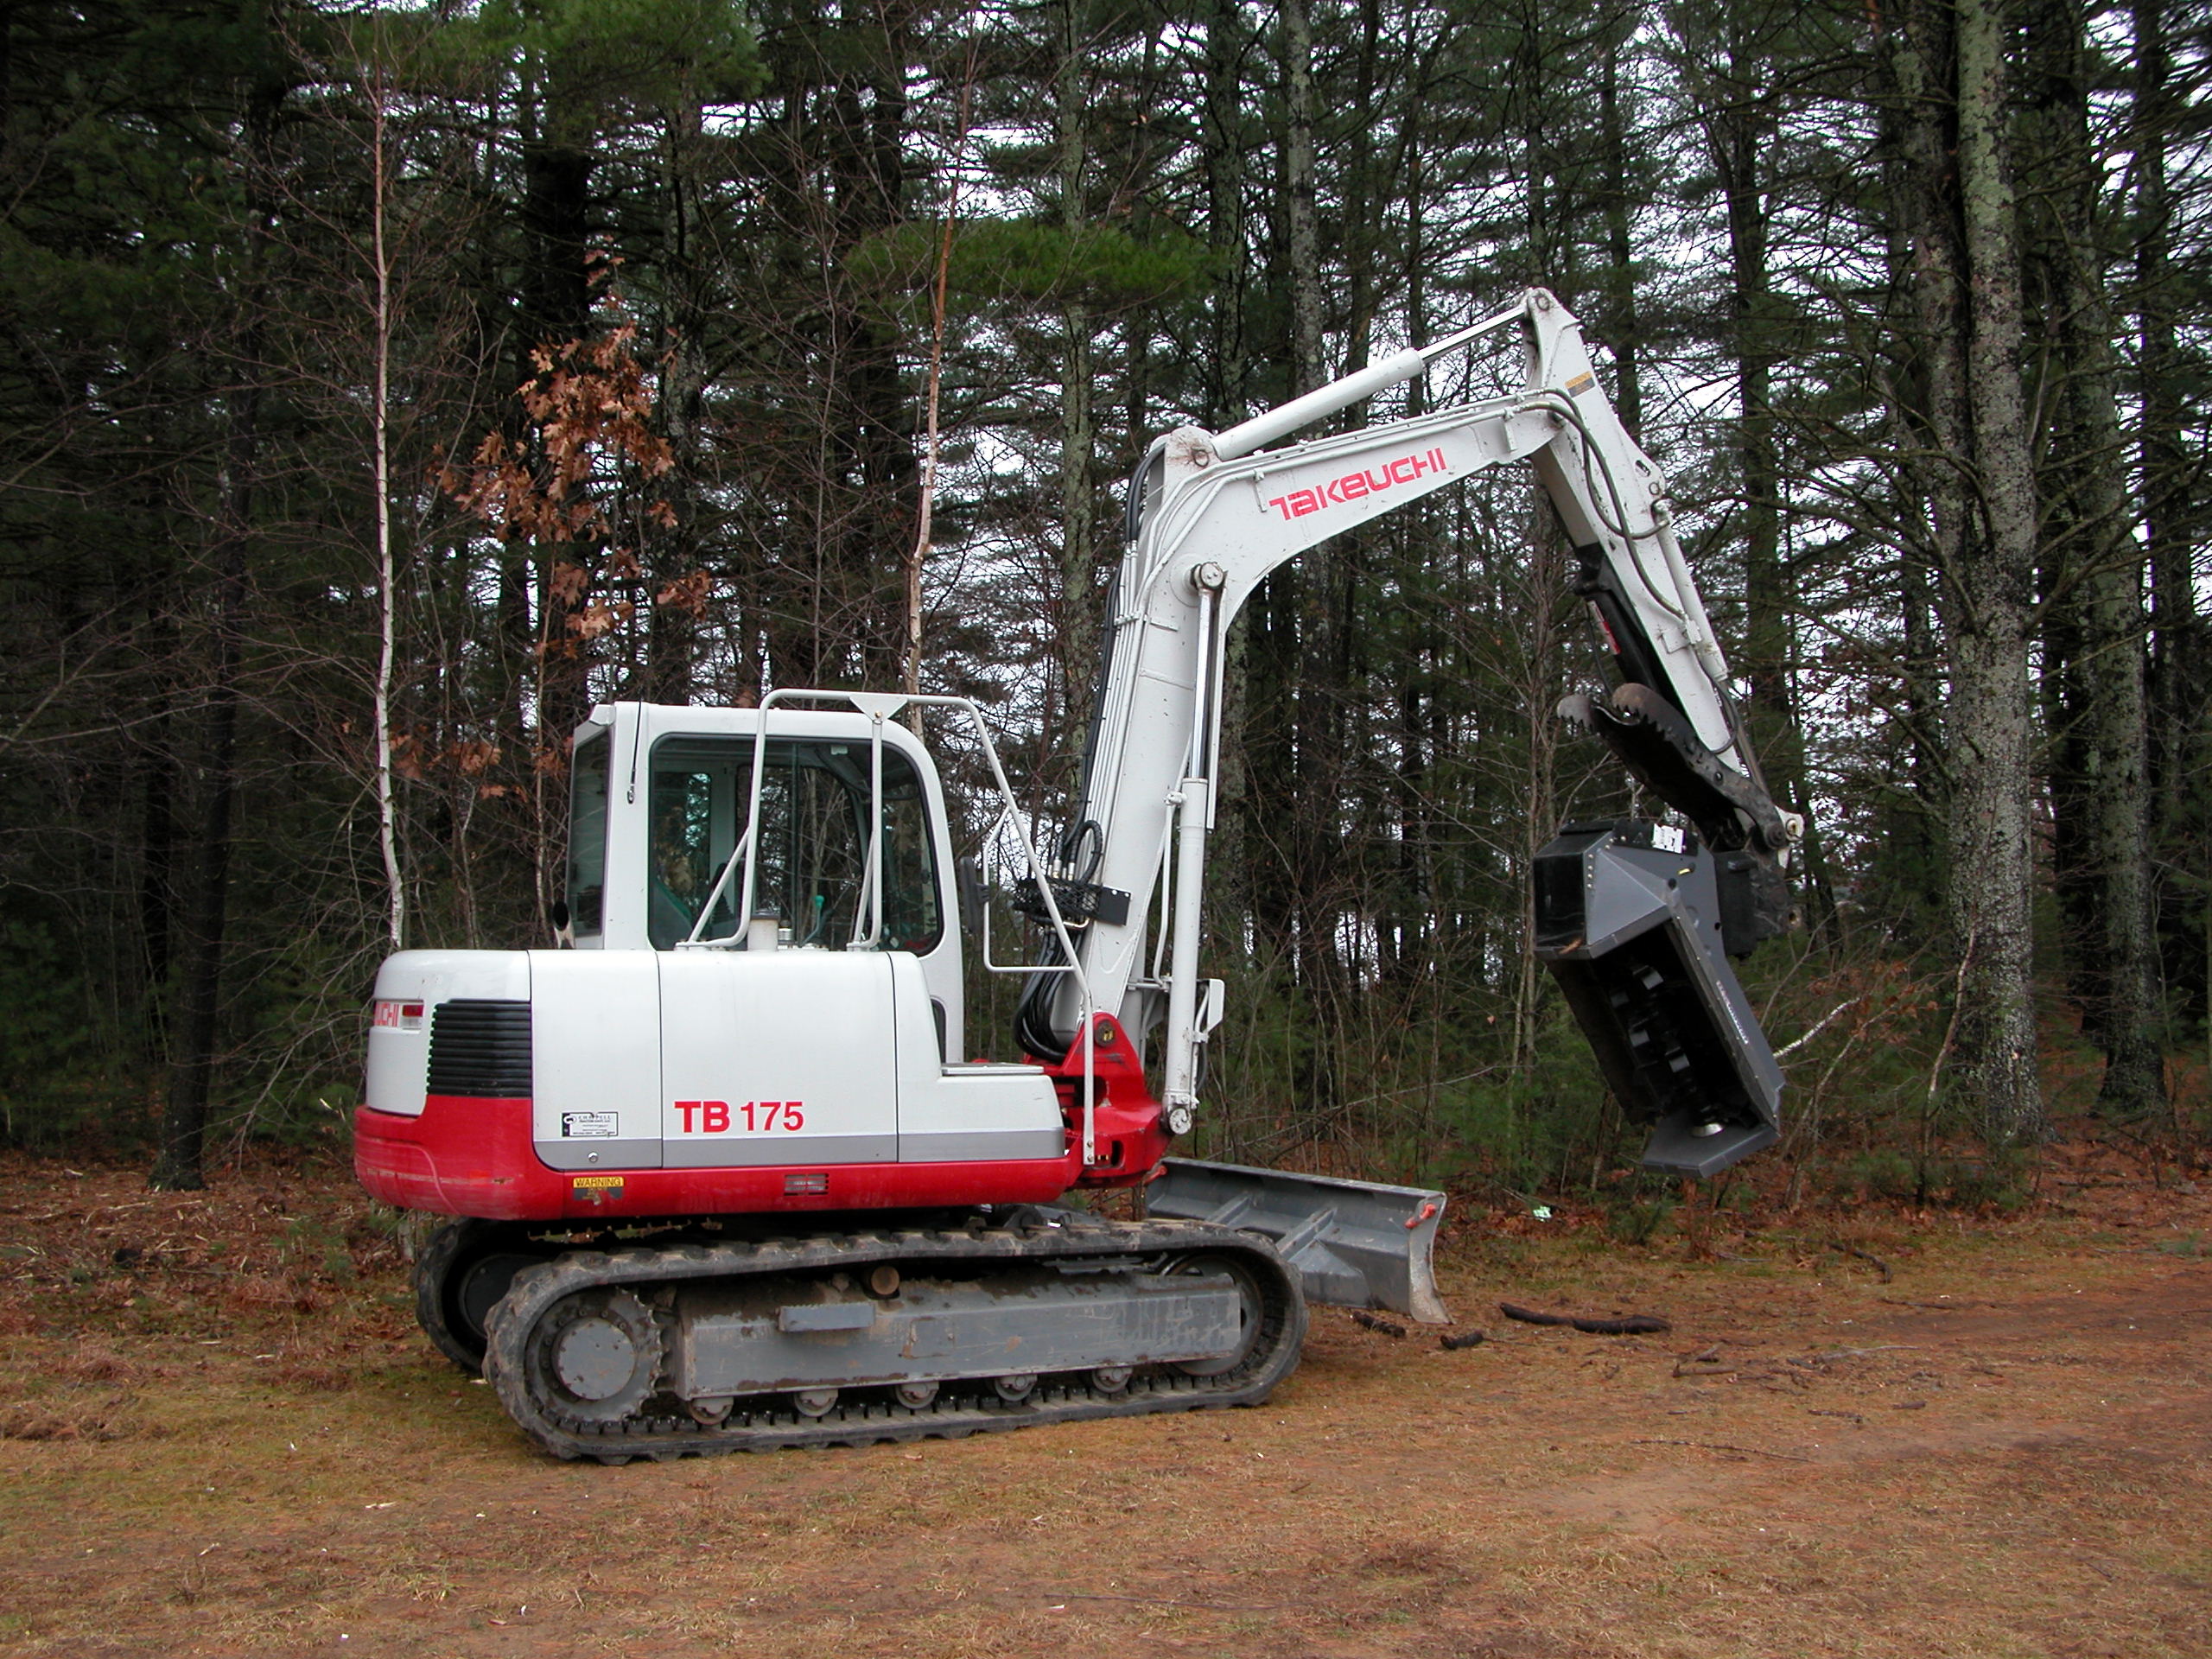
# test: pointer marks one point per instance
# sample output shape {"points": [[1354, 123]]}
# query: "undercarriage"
{"points": [[686, 1347]]}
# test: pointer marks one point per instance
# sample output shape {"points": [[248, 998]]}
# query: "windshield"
{"points": [[815, 819]]}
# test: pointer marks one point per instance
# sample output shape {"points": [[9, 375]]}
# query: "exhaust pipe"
{"points": [[1352, 1243]]}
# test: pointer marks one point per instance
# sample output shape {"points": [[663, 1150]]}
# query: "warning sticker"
{"points": [[595, 1183], [587, 1125]]}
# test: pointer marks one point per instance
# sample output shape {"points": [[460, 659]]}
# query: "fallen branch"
{"points": [[1369, 1322], [1464, 1339], [1875, 1261], [1630, 1324], [1169, 1601], [112, 1208], [1719, 1446]]}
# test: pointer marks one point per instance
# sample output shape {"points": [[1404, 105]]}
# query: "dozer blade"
{"points": [[1352, 1243], [1628, 919]]}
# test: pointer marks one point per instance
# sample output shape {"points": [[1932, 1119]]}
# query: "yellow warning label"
{"points": [[596, 1183], [1582, 383]]}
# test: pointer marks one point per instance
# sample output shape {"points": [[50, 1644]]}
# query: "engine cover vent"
{"points": [[481, 1048]]}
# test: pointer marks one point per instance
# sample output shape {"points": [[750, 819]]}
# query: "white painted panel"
{"points": [[962, 1113], [595, 1055], [399, 1057], [804, 1033]]}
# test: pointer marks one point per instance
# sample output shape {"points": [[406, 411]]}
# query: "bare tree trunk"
{"points": [[1623, 330], [1225, 153], [1223, 375], [1944, 61], [681, 550], [918, 561], [1078, 630], [2170, 525], [1315, 832], [1991, 857], [387, 599], [181, 1164], [1741, 135], [1301, 212], [1545, 593], [2104, 806]]}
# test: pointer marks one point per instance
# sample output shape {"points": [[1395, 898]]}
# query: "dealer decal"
{"points": [[1369, 480]]}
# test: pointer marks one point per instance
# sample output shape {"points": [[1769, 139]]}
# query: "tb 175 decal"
{"points": [[717, 1117]]}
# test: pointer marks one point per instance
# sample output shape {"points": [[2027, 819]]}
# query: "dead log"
{"points": [[1367, 1321], [1630, 1325], [1872, 1261]]}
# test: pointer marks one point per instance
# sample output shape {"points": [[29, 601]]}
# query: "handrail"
{"points": [[880, 707]]}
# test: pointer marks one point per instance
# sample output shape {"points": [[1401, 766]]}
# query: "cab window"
{"points": [[816, 815], [587, 834]]}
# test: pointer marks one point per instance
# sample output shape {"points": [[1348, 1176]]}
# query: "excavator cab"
{"points": [[761, 1010], [842, 844]]}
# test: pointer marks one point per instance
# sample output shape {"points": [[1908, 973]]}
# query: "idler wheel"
{"points": [[1251, 1311], [1015, 1389], [1111, 1379], [595, 1356], [917, 1397]]}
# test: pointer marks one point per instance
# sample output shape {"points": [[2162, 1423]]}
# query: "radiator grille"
{"points": [[481, 1048]]}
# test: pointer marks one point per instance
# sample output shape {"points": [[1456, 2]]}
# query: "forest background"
{"points": [[382, 386]]}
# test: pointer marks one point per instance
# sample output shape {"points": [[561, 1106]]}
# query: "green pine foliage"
{"points": [[748, 208]]}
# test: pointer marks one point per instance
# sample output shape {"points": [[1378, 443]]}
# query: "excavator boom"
{"points": [[1210, 515]]}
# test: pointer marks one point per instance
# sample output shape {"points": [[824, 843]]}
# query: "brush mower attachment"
{"points": [[1353, 1244], [1629, 921]]}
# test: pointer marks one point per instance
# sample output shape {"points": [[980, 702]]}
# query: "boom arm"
{"points": [[1212, 514]]}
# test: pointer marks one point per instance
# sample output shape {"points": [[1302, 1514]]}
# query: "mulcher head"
{"points": [[1629, 921]]}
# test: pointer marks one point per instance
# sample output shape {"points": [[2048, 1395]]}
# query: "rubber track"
{"points": [[874, 1419]]}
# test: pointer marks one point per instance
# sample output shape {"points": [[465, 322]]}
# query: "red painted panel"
{"points": [[471, 1157], [468, 1156], [1126, 1112]]}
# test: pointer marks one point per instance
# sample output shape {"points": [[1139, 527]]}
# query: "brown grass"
{"points": [[220, 1434]]}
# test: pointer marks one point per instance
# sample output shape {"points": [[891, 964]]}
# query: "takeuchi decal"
{"points": [[1369, 480]]}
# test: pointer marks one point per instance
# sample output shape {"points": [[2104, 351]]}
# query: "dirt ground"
{"points": [[1869, 1432]]}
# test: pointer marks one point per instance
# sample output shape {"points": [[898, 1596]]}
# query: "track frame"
{"points": [[664, 1431]]}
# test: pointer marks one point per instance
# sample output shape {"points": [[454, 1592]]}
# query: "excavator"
{"points": [[716, 1175]]}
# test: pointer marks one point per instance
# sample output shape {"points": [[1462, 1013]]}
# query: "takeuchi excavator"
{"points": [[719, 1178]]}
